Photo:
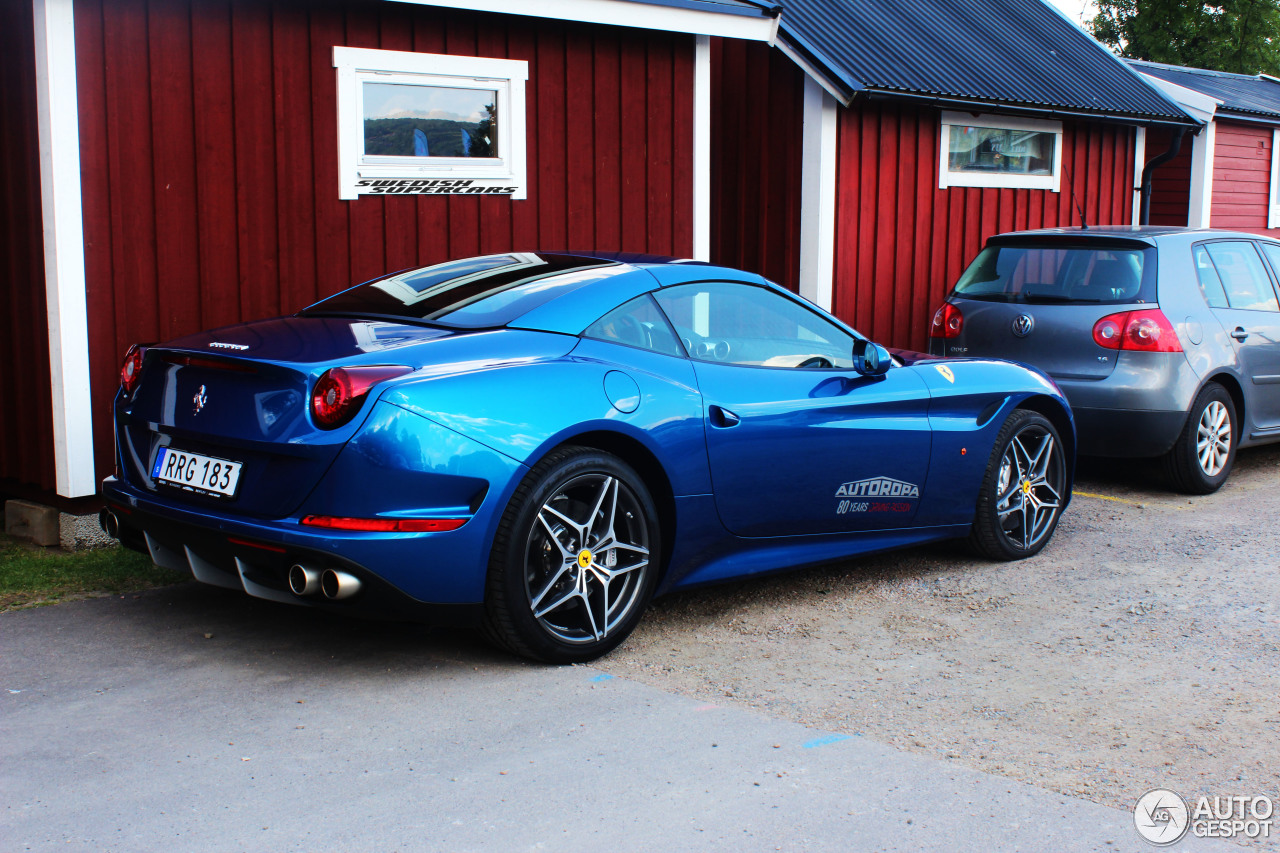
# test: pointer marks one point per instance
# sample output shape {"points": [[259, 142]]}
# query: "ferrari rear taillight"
{"points": [[131, 370], [1147, 330], [947, 322], [340, 391]]}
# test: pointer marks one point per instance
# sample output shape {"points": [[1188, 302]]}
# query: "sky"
{"points": [[1076, 9]]}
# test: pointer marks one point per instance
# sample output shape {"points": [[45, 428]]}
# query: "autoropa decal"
{"points": [[879, 491], [430, 186]]}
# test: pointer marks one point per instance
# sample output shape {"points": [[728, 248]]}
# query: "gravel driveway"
{"points": [[1140, 649]]}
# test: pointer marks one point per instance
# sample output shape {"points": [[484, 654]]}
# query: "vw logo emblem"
{"points": [[1023, 324]]}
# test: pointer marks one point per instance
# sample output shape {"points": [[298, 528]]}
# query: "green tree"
{"points": [[1241, 36]]}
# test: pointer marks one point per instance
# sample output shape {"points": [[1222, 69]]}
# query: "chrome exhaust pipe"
{"points": [[109, 523], [338, 585], [303, 581]]}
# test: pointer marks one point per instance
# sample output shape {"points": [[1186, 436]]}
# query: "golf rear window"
{"points": [[1055, 273]]}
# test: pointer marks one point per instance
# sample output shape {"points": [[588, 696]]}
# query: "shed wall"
{"points": [[26, 400], [1171, 182], [757, 147], [901, 242], [208, 135], [1241, 177]]}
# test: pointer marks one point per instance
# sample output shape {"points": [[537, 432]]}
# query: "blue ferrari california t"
{"points": [[542, 442]]}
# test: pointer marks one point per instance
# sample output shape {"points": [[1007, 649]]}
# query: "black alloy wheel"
{"points": [[1023, 490], [574, 560]]}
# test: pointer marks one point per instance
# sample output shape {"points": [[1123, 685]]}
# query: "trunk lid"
{"points": [[241, 394]]}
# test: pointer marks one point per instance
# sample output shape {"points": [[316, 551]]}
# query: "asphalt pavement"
{"points": [[193, 719]]}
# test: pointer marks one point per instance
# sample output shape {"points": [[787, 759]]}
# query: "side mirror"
{"points": [[871, 359]]}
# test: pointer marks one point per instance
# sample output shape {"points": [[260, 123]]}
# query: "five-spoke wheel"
{"points": [[1023, 491], [573, 563]]}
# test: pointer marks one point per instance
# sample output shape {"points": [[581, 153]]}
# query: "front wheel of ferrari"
{"points": [[574, 560], [1023, 490]]}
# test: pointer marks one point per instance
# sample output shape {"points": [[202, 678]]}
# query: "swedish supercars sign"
{"points": [[431, 186]]}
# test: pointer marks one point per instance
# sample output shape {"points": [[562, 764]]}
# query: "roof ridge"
{"points": [[1207, 72]]}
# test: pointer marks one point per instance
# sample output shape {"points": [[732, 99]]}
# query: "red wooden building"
{"points": [[1228, 174], [179, 164]]}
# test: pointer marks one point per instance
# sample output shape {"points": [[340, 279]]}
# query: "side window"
{"points": [[1272, 251], [638, 323], [1210, 283], [749, 325], [1244, 279]]}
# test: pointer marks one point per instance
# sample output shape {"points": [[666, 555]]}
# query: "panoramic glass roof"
{"points": [[475, 293]]}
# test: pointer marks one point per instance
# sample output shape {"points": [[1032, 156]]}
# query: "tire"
{"points": [[1200, 460], [1023, 490], [553, 593]]}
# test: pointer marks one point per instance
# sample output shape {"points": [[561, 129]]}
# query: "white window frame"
{"points": [[1007, 180], [1273, 189], [358, 174]]}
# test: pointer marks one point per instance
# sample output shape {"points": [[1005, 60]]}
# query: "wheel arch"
{"points": [[1058, 415], [633, 452], [1234, 390]]}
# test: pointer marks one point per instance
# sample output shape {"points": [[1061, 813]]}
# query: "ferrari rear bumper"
{"points": [[260, 567]]}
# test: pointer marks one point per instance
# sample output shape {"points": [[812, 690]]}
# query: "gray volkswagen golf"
{"points": [[1166, 341]]}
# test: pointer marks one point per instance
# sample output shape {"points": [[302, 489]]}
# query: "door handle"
{"points": [[1240, 334], [721, 417]]}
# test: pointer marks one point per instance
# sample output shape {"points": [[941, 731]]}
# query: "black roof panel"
{"points": [[1005, 52], [1239, 93]]}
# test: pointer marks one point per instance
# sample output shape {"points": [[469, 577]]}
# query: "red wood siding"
{"points": [[1170, 183], [26, 451], [1241, 177], [757, 131], [901, 242], [208, 132]]}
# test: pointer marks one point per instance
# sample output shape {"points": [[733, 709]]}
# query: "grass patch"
{"points": [[30, 575]]}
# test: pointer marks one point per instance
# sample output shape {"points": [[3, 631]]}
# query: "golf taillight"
{"points": [[1147, 330], [131, 370], [340, 390], [947, 322]]}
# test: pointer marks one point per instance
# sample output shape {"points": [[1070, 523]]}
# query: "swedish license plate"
{"points": [[204, 474]]}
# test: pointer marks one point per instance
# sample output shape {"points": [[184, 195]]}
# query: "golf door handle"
{"points": [[1239, 334], [722, 417]]}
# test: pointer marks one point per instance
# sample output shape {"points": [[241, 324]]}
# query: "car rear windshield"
{"points": [[476, 293], [1057, 273]]}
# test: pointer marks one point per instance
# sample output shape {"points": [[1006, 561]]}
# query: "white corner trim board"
{"points": [[1200, 201], [59, 125], [625, 13], [702, 149], [1273, 188], [1139, 160], [818, 195]]}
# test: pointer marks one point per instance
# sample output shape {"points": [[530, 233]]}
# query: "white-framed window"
{"points": [[425, 123], [999, 151], [1273, 205]]}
